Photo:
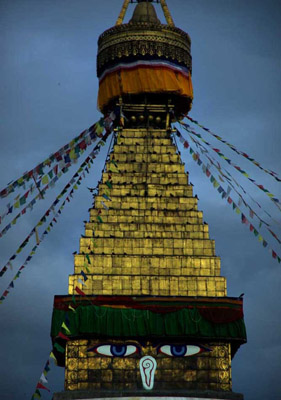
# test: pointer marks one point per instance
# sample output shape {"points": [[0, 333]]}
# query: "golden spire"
{"points": [[164, 6]]}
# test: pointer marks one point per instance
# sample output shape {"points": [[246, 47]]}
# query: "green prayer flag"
{"points": [[88, 258], [87, 268], [22, 200], [59, 347], [37, 394], [99, 219], [109, 184]]}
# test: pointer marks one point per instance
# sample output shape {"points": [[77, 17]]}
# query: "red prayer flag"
{"points": [[63, 336], [79, 291], [40, 386], [274, 255]]}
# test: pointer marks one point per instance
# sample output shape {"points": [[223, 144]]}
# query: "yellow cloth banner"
{"points": [[143, 80]]}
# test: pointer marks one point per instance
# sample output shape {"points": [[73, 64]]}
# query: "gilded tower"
{"points": [[147, 314]]}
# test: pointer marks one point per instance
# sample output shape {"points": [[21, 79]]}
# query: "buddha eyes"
{"points": [[181, 350], [126, 350], [115, 350]]}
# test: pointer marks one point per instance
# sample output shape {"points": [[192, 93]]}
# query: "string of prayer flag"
{"points": [[51, 177], [233, 148], [56, 156], [241, 199], [229, 179], [83, 165], [41, 384], [234, 205], [272, 197]]}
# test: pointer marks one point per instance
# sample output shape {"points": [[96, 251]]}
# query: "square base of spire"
{"points": [[144, 395]]}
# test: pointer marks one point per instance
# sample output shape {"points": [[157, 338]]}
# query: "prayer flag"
{"points": [[61, 335], [104, 206], [43, 379], [37, 395], [79, 291], [87, 268], [45, 180], [63, 325], [59, 348], [40, 386], [84, 276]]}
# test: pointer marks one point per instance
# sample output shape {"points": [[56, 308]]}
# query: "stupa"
{"points": [[147, 313]]}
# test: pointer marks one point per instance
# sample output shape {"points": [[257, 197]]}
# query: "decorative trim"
{"points": [[143, 39]]}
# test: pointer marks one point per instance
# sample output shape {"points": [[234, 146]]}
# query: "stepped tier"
{"points": [[152, 239]]}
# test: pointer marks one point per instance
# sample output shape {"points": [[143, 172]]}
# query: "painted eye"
{"points": [[181, 350], [115, 350]]}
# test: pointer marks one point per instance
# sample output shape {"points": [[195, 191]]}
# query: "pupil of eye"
{"points": [[118, 350], [178, 350]]}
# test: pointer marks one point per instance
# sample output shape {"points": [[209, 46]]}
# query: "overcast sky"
{"points": [[48, 95]]}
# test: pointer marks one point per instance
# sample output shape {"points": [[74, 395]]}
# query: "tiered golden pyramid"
{"points": [[152, 240]]}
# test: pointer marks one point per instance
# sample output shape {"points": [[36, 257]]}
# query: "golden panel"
{"points": [[207, 370]]}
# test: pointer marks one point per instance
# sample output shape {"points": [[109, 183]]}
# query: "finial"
{"points": [[166, 12], [164, 6], [122, 12]]}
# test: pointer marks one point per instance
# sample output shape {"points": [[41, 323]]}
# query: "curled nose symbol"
{"points": [[147, 369]]}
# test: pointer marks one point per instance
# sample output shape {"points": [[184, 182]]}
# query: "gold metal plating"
{"points": [[91, 371], [143, 39]]}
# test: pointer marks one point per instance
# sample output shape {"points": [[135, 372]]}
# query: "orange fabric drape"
{"points": [[143, 79]]}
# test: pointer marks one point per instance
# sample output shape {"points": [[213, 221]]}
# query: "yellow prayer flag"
{"points": [[65, 328], [237, 210], [260, 238], [17, 204], [45, 180], [37, 236], [53, 357], [72, 155]]}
